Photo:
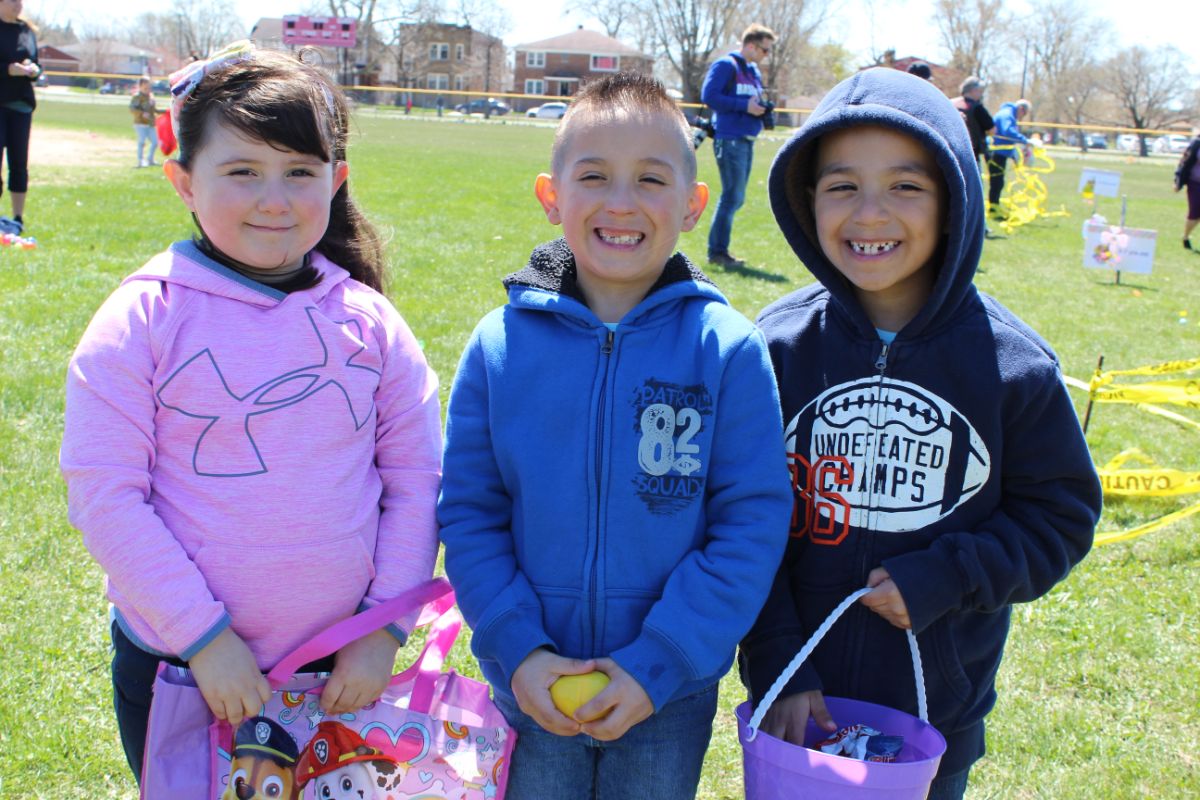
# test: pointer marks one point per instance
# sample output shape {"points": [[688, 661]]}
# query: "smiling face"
{"points": [[623, 192], [261, 206], [879, 206]]}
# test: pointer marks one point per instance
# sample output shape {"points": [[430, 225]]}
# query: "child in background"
{"points": [[252, 438], [615, 499], [935, 454], [141, 105]]}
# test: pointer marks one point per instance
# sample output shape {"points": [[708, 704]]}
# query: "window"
{"points": [[459, 51], [535, 87], [605, 63], [439, 51], [535, 59], [437, 80], [460, 83]]}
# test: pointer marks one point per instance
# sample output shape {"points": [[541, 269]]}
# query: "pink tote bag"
{"points": [[431, 734]]}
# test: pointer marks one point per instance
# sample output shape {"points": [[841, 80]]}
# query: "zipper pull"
{"points": [[606, 348], [881, 362]]}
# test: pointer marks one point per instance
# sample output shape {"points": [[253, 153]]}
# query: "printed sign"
{"points": [[1122, 249], [320, 31], [1102, 182]]}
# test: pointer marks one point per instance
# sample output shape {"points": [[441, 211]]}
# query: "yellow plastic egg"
{"points": [[571, 691]]}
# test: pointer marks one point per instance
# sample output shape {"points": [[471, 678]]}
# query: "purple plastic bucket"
{"points": [[776, 770]]}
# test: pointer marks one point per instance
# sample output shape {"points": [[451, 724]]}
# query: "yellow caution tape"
{"points": [[1153, 525], [1177, 392], [1025, 197], [1154, 481]]}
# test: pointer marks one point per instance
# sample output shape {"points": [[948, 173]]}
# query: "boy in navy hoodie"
{"points": [[935, 455], [615, 494]]}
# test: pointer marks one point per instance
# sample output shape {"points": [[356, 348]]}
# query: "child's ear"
{"points": [[696, 205], [543, 187], [181, 179], [341, 171]]}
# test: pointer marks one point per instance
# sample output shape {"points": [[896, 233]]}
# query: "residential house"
{"points": [[118, 58], [443, 57], [557, 66], [53, 59]]}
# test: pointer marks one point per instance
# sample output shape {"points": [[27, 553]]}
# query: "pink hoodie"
{"points": [[235, 455]]}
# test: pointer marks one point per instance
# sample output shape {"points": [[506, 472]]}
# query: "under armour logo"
{"points": [[226, 448]]}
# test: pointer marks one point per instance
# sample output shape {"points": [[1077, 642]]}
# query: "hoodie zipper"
{"points": [[605, 350]]}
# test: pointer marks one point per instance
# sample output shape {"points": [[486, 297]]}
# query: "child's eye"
{"points": [[303, 172], [910, 187], [838, 187], [591, 176], [655, 179]]}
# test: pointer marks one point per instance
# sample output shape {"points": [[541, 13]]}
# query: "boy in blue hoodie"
{"points": [[615, 494], [935, 455]]}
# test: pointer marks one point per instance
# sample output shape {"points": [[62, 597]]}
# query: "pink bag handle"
{"points": [[340, 634], [438, 642]]}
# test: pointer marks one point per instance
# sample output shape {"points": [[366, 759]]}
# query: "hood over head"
{"points": [[893, 99]]}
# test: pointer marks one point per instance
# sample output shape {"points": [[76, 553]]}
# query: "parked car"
{"points": [[160, 87], [1128, 142], [485, 106], [1171, 143], [107, 88], [1095, 141], [552, 110]]}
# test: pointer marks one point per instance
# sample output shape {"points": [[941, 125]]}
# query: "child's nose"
{"points": [[274, 197], [871, 209], [621, 198]]}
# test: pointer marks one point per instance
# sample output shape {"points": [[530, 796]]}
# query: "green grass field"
{"points": [[1100, 690]]}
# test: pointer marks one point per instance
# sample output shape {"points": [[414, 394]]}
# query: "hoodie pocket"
{"points": [[949, 675]]}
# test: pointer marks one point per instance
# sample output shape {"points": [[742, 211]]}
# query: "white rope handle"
{"points": [[777, 687]]}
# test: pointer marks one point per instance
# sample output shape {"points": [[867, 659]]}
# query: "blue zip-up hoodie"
{"points": [[731, 83], [1007, 136], [613, 493], [953, 457]]}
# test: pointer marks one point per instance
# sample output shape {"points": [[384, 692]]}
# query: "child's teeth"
{"points": [[630, 238], [872, 248]]}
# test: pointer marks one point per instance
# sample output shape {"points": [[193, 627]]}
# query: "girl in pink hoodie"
{"points": [[252, 445]]}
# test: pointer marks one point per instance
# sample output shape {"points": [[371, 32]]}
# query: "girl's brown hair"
{"points": [[279, 99]]}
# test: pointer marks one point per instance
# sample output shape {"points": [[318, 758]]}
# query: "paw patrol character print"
{"points": [[264, 763], [343, 766]]}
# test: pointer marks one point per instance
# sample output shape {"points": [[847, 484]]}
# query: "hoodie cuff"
{"points": [[189, 652], [509, 641], [656, 664], [762, 665], [930, 583]]}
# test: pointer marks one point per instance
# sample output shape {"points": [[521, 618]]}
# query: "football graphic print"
{"points": [[884, 455]]}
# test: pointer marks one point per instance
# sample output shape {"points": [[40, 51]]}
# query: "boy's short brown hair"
{"points": [[627, 92], [757, 34]]}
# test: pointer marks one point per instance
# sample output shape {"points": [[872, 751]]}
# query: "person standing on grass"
{"points": [[1188, 174], [733, 89], [141, 105], [252, 439], [1007, 143], [978, 121], [936, 457], [613, 499], [19, 57]]}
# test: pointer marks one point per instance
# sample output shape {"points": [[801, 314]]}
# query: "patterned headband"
{"points": [[187, 78]]}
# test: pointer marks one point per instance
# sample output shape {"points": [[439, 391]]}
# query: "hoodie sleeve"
{"points": [[1043, 526], [713, 92], [1007, 131], [108, 454], [713, 595], [475, 515], [408, 444]]}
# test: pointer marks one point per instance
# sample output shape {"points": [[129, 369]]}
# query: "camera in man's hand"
{"points": [[703, 129], [768, 116]]}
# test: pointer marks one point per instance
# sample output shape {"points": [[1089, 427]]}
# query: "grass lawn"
{"points": [[1100, 690]]}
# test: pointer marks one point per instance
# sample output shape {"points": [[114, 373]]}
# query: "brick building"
{"points": [[557, 66]]}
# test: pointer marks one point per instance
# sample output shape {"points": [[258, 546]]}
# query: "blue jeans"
{"points": [[734, 159], [146, 134], [949, 787], [658, 758]]}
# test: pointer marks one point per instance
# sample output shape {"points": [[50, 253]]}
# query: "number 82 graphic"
{"points": [[659, 450]]}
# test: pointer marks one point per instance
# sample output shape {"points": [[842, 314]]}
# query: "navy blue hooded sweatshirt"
{"points": [[952, 457]]}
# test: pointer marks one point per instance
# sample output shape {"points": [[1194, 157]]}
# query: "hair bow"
{"points": [[187, 78]]}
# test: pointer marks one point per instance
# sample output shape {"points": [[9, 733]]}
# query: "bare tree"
{"points": [[491, 19], [687, 32], [1065, 44], [1152, 87], [612, 14], [970, 30], [203, 26]]}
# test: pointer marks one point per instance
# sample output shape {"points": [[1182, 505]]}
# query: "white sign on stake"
{"points": [[1121, 249], [1105, 183]]}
